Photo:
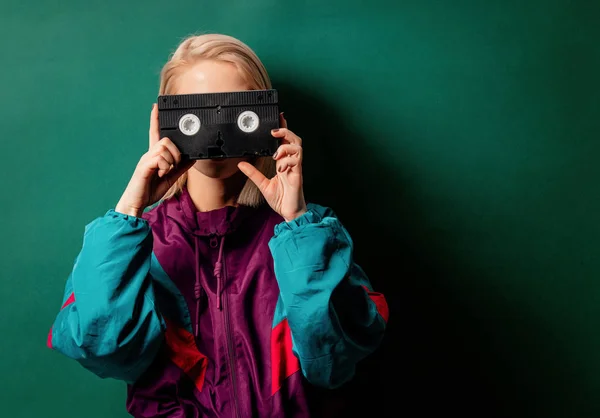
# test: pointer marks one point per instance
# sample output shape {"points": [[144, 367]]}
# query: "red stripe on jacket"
{"points": [[183, 352], [69, 301], [380, 303], [283, 361]]}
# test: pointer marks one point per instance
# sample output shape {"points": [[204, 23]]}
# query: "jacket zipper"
{"points": [[229, 341]]}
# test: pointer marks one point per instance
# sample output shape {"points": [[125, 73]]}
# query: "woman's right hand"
{"points": [[156, 172]]}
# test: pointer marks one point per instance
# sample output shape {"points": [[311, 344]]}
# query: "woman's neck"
{"points": [[210, 194]]}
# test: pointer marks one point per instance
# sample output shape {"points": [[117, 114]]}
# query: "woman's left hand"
{"points": [[284, 191]]}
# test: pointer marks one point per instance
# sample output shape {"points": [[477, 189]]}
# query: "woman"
{"points": [[232, 296]]}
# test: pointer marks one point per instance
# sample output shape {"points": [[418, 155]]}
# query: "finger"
{"points": [[282, 121], [163, 165], [254, 175], [288, 149], [166, 154], [172, 149], [178, 170], [287, 136], [154, 133], [167, 145], [172, 176], [287, 162]]}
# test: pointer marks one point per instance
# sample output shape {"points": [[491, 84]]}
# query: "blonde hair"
{"points": [[226, 49]]}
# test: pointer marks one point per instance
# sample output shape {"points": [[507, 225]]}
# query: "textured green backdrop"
{"points": [[458, 140]]}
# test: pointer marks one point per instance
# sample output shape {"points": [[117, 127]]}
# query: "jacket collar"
{"points": [[218, 222]]}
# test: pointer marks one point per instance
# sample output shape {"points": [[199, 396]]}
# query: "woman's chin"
{"points": [[217, 168]]}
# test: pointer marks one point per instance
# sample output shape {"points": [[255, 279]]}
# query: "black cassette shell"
{"points": [[218, 131]]}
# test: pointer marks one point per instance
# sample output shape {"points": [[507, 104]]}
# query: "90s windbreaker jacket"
{"points": [[227, 313]]}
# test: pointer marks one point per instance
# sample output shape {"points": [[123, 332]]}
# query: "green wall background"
{"points": [[464, 133]]}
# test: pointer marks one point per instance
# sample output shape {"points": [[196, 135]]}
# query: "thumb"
{"points": [[254, 175], [179, 170], [171, 178]]}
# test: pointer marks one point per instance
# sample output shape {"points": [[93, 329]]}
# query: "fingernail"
{"points": [[275, 155], [283, 114], [275, 131]]}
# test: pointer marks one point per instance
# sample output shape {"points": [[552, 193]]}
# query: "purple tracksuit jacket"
{"points": [[227, 313]]}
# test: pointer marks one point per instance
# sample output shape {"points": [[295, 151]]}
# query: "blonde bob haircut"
{"points": [[222, 48]]}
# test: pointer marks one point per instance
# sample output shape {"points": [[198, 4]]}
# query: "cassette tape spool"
{"points": [[221, 125]]}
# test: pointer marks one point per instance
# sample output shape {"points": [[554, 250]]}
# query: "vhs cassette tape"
{"points": [[220, 125]]}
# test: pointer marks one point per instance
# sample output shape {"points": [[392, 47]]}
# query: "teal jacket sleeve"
{"points": [[108, 321], [335, 317]]}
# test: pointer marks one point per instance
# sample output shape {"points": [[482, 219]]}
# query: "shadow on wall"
{"points": [[440, 355]]}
